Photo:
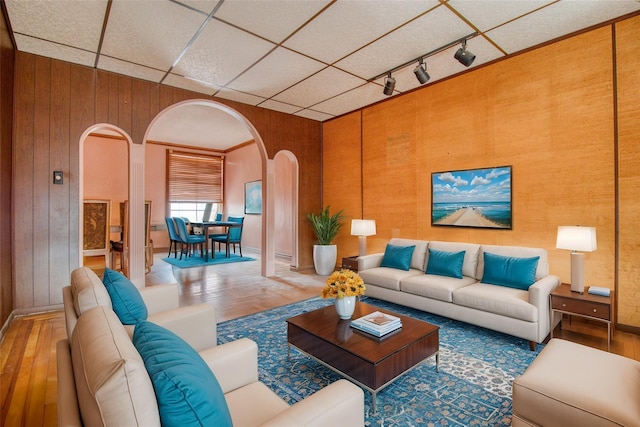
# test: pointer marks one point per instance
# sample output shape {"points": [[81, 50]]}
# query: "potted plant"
{"points": [[326, 226]]}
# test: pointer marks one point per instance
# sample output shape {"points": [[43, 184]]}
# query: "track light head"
{"points": [[389, 85], [421, 72], [463, 56]]}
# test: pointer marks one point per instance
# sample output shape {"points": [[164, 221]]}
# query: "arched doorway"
{"points": [[268, 177]]}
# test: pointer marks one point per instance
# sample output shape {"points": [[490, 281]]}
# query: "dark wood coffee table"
{"points": [[372, 363]]}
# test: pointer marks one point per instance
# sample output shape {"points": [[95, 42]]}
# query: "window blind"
{"points": [[194, 177]]}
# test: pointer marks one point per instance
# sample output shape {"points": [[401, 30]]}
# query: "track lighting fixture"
{"points": [[421, 72], [389, 85], [463, 56]]}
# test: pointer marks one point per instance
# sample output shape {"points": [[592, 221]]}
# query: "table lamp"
{"points": [[576, 238], [363, 228]]}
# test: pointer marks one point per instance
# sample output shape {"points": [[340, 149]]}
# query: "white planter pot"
{"points": [[324, 259]]}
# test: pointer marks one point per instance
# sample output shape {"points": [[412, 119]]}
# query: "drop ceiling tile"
{"points": [[325, 84], [244, 98], [67, 22], [347, 25], [286, 16], [276, 72], [129, 69], [189, 84], [485, 15], [279, 106], [314, 115], [221, 53], [204, 6], [55, 50], [431, 31], [151, 36], [354, 99], [556, 20]]}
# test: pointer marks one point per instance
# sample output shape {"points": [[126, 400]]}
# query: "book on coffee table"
{"points": [[377, 323]]}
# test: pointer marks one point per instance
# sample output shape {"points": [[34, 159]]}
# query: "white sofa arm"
{"points": [[160, 297], [539, 297], [370, 261], [235, 364], [339, 404], [196, 324]]}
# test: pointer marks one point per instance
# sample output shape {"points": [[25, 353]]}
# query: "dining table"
{"points": [[205, 225]]}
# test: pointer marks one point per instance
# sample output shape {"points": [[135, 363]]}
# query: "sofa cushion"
{"points": [[419, 253], [397, 257], [471, 251], [519, 273], [434, 286], [501, 300], [187, 391], [516, 251], [386, 277], [125, 297], [443, 263], [88, 291], [113, 386]]}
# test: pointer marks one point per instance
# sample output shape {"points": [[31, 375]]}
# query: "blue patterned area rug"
{"points": [[198, 261], [473, 387]]}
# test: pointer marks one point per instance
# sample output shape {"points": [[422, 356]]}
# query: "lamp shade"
{"points": [[576, 238], [363, 227]]}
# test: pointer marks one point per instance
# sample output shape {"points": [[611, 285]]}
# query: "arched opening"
{"points": [[286, 206]]}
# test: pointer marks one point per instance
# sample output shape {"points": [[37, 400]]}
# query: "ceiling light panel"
{"points": [[152, 36], [68, 22], [437, 28], [325, 84], [221, 53], [347, 25], [129, 69], [489, 14], [55, 50], [556, 20], [364, 95], [287, 16], [279, 70]]}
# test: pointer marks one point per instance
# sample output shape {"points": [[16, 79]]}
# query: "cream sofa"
{"points": [[521, 313], [569, 384]]}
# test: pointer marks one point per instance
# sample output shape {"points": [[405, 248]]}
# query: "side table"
{"points": [[350, 263], [588, 306]]}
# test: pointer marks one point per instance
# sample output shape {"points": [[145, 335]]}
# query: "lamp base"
{"points": [[363, 245], [577, 272]]}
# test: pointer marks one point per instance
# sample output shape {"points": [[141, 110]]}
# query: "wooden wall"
{"points": [[550, 113], [54, 103], [6, 124]]}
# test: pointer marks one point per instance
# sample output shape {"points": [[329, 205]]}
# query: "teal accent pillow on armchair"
{"points": [[444, 263], [188, 393], [397, 257], [519, 273], [125, 298]]}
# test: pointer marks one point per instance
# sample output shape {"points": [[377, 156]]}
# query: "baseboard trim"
{"points": [[21, 312], [627, 328]]}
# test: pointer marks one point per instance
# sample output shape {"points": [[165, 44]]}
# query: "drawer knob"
{"points": [[564, 305], [595, 311]]}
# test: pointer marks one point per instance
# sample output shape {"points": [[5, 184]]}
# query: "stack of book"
{"points": [[377, 323]]}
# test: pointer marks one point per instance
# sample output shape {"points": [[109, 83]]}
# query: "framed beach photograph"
{"points": [[253, 197], [478, 198]]}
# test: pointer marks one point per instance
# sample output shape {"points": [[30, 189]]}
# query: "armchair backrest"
{"points": [[235, 233]]}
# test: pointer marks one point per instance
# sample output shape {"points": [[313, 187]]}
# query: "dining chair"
{"points": [[190, 240], [233, 236], [174, 238]]}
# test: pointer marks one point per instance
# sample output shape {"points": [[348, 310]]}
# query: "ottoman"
{"points": [[570, 384]]}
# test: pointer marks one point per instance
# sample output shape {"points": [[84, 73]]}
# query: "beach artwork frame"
{"points": [[253, 197], [478, 198]]}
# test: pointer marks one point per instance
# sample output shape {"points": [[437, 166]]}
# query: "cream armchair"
{"points": [[87, 291]]}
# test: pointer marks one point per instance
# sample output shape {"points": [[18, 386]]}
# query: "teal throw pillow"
{"points": [[445, 263], [519, 273], [125, 297], [397, 257], [187, 392]]}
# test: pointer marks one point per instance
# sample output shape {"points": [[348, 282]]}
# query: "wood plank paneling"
{"points": [[628, 74], [341, 158]]}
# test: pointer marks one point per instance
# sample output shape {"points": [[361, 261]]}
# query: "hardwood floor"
{"points": [[28, 382]]}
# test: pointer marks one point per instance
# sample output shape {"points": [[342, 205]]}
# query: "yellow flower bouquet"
{"points": [[343, 283]]}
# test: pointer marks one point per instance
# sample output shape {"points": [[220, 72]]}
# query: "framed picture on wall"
{"points": [[478, 198], [253, 197]]}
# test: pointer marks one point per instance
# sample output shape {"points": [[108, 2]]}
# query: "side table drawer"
{"points": [[350, 263], [586, 308]]}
